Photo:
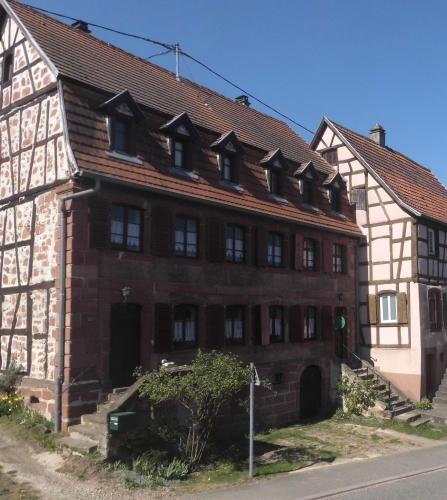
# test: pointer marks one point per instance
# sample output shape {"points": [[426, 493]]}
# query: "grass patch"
{"points": [[426, 430]]}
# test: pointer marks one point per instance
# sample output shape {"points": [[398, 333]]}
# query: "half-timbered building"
{"points": [[143, 216], [402, 210]]}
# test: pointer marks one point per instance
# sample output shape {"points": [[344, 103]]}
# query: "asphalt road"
{"points": [[417, 474]]}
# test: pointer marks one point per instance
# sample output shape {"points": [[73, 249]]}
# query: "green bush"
{"points": [[358, 395], [10, 404], [10, 379], [423, 404]]}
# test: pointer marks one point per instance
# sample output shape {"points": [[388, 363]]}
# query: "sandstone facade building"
{"points": [[142, 217], [402, 210]]}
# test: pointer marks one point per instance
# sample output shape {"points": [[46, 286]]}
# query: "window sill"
{"points": [[339, 215], [278, 199], [390, 323], [311, 208], [232, 186], [187, 174], [124, 157]]}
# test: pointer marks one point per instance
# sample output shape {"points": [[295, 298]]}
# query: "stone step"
{"points": [[440, 401], [83, 446], [420, 421], [441, 392], [409, 417], [400, 410], [94, 432], [95, 418]]}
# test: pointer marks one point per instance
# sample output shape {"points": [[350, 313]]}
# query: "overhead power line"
{"points": [[173, 47]]}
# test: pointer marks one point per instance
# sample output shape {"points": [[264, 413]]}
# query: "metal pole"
{"points": [[177, 62], [252, 404]]}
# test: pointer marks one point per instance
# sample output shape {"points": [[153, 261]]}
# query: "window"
{"points": [[8, 65], [331, 156], [186, 237], [179, 154], [310, 254], [276, 314], [388, 308], [274, 251], [434, 309], [335, 200], [121, 135], [125, 231], [308, 191], [310, 323], [358, 198], [274, 181], [338, 258], [234, 325], [278, 378], [235, 243], [228, 167], [185, 326], [432, 240]]}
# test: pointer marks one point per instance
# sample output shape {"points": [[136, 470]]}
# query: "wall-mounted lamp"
{"points": [[125, 292]]}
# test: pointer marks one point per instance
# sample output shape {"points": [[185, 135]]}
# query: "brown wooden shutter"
{"points": [[295, 324], [162, 328], [256, 325], [345, 258], [318, 253], [372, 309], [261, 246], [327, 324], [402, 315], [162, 232], [99, 222], [285, 251], [215, 240], [327, 256], [215, 326], [298, 252]]}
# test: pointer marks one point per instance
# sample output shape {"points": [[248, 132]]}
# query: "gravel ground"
{"points": [[41, 472]]}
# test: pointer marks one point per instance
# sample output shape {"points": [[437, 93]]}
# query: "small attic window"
{"points": [[335, 197], [7, 69], [308, 177], [229, 152], [331, 156], [276, 169], [335, 187], [121, 135]]}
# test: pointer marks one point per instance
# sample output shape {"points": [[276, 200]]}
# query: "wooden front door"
{"points": [[124, 343], [310, 392]]}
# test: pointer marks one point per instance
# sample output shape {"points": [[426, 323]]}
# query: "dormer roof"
{"points": [[181, 125], [334, 181], [124, 104], [275, 159], [228, 142], [306, 171]]}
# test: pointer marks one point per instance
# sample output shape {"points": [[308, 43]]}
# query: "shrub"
{"points": [[10, 404], [10, 379], [358, 395], [423, 404]]}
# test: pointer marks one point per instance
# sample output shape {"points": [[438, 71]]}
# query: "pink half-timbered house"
{"points": [[402, 210]]}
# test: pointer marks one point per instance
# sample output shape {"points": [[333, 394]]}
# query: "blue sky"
{"points": [[357, 62]]}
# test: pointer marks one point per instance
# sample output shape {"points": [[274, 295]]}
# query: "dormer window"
{"points": [[335, 198], [229, 151], [308, 191], [308, 176], [123, 114], [7, 69], [335, 185], [180, 133], [276, 169]]}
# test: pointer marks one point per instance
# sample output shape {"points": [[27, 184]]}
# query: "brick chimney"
{"points": [[243, 99], [81, 26], [377, 134]]}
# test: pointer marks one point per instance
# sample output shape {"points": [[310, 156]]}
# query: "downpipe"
{"points": [[62, 298]]}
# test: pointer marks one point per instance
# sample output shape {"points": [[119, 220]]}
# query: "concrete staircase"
{"points": [[92, 433], [438, 413]]}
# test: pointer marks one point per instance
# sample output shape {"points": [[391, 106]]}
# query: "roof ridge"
{"points": [[199, 86]]}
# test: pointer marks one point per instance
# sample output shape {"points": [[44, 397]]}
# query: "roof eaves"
{"points": [[371, 170]]}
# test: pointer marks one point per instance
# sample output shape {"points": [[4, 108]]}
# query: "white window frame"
{"points": [[387, 297]]}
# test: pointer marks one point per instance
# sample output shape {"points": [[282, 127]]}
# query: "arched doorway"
{"points": [[124, 343], [310, 392]]}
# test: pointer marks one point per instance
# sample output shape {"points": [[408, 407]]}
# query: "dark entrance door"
{"points": [[310, 392], [124, 343], [341, 332]]}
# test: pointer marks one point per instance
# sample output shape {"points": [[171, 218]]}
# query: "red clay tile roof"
{"points": [[411, 182], [107, 70]]}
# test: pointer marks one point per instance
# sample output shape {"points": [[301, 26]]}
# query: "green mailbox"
{"points": [[122, 422]]}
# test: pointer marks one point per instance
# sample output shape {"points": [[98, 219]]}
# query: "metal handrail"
{"points": [[375, 373]]}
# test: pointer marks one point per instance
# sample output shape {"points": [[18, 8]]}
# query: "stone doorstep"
{"points": [[83, 446], [95, 418], [410, 416], [400, 410], [420, 421], [95, 432]]}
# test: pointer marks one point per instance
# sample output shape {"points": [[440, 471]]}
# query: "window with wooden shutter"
{"points": [[162, 230], [99, 220], [372, 309], [162, 327], [256, 325], [327, 324], [186, 320], [234, 325], [358, 198], [402, 315], [215, 326], [295, 324], [215, 240]]}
